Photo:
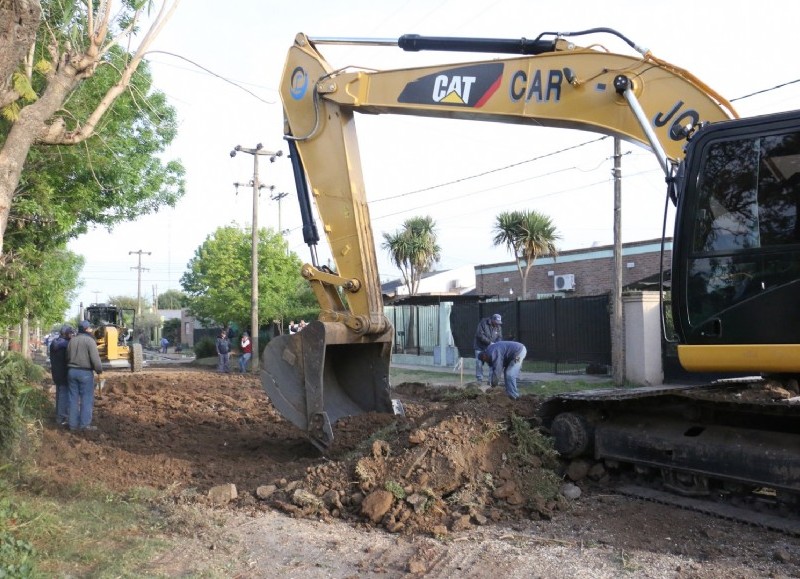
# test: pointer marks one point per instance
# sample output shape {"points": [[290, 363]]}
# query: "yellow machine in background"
{"points": [[113, 334]]}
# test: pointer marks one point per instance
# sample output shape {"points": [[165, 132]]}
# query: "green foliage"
{"points": [[11, 111], [63, 191], [41, 283], [396, 489], [15, 554], [413, 249], [18, 399], [530, 443], [205, 348], [172, 331], [23, 86], [527, 235], [85, 532], [172, 300], [219, 280]]}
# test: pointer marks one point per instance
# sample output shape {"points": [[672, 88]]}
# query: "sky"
{"points": [[221, 67]]}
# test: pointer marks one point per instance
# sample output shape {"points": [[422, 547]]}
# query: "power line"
{"points": [[490, 171], [766, 90], [212, 73]]}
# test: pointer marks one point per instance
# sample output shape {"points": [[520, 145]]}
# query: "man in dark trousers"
{"points": [[58, 370], [505, 358], [83, 360], [490, 330]]}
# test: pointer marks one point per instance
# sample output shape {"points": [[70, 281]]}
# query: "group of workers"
{"points": [[74, 360], [504, 357], [223, 345]]}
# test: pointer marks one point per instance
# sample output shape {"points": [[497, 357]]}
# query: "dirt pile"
{"points": [[456, 459], [447, 466]]}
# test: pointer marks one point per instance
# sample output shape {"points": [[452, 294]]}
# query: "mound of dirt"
{"points": [[446, 466], [453, 461]]}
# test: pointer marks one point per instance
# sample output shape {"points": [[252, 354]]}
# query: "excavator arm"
{"points": [[340, 367]]}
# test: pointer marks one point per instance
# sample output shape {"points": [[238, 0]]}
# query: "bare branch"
{"points": [[87, 129]]}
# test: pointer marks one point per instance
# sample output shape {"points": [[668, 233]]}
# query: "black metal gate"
{"points": [[563, 335]]}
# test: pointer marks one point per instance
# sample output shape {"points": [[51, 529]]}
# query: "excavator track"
{"points": [[717, 509], [728, 449]]}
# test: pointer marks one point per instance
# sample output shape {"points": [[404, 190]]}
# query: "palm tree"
{"points": [[527, 235], [413, 250]]}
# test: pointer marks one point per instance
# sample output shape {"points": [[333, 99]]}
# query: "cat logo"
{"points": [[453, 90], [469, 86]]}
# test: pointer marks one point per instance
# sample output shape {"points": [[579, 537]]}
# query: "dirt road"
{"points": [[441, 493]]}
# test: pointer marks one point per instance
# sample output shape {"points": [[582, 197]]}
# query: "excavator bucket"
{"points": [[324, 373]]}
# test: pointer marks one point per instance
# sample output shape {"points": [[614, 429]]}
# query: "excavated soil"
{"points": [[459, 486]]}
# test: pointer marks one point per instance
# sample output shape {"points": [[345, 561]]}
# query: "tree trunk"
{"points": [[19, 22], [32, 125], [25, 342]]}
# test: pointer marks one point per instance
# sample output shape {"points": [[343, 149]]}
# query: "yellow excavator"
{"points": [[736, 244]]}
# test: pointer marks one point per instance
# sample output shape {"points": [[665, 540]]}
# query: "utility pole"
{"points": [[254, 326], [96, 299], [277, 197], [139, 269], [617, 333]]}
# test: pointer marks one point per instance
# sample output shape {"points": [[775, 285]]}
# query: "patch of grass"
{"points": [[626, 562], [95, 533], [396, 489], [399, 375], [456, 394]]}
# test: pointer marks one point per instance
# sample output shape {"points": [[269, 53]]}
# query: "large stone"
{"points": [[222, 494], [377, 504], [302, 498], [570, 491], [266, 491], [578, 469]]}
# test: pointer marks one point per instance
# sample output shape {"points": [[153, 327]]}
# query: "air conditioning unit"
{"points": [[564, 283]]}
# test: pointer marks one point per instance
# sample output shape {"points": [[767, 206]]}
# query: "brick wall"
{"points": [[593, 269]]}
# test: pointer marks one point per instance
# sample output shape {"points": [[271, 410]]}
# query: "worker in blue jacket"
{"points": [[505, 357]]}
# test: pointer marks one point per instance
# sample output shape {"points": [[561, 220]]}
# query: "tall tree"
{"points": [[38, 75], [218, 280], [413, 249], [38, 285], [171, 299], [527, 235]]}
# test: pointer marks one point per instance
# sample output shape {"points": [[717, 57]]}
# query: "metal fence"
{"points": [[562, 335]]}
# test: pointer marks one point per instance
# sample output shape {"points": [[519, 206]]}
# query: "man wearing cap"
{"points": [[83, 360], [490, 330], [505, 358], [58, 370]]}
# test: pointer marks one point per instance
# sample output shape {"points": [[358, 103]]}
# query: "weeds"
{"points": [[388, 433], [396, 489], [530, 443], [491, 431], [533, 450]]}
